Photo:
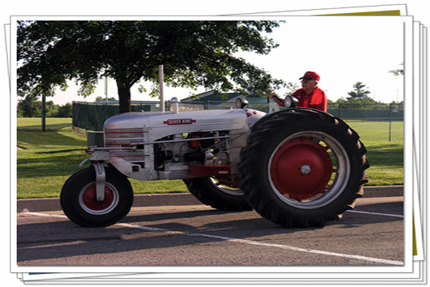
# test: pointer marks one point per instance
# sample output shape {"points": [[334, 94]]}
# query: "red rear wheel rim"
{"points": [[301, 169]]}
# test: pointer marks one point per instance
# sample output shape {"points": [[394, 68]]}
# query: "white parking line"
{"points": [[249, 242], [258, 243], [376, 213]]}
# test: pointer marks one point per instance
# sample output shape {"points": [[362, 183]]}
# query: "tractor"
{"points": [[297, 167]]}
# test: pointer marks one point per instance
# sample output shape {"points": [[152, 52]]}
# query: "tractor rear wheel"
{"points": [[302, 167], [217, 193]]}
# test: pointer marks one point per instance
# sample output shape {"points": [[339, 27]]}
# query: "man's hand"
{"points": [[272, 95]]}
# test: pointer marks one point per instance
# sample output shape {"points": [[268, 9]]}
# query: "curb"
{"points": [[140, 200]]}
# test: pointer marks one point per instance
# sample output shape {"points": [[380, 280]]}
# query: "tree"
{"points": [[257, 85], [194, 53], [398, 72], [65, 111], [102, 99], [29, 106], [291, 87], [359, 94]]}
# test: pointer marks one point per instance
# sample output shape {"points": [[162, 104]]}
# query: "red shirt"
{"points": [[315, 100]]}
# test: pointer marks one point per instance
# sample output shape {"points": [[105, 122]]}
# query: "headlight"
{"points": [[290, 102], [241, 103]]}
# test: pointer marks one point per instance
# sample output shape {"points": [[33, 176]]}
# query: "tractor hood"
{"points": [[159, 125]]}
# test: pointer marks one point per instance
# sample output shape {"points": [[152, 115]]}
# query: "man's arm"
{"points": [[276, 99]]}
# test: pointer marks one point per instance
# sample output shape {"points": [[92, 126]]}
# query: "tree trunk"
{"points": [[124, 96]]}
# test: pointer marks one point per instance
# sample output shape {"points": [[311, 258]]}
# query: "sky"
{"points": [[343, 50]]}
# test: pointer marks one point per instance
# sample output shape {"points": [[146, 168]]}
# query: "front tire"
{"points": [[302, 167], [78, 198]]}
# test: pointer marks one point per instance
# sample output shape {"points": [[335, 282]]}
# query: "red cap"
{"points": [[311, 76]]}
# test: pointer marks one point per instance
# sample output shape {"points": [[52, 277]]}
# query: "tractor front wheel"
{"points": [[79, 202]]}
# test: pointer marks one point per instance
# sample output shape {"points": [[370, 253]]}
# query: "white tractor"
{"points": [[296, 167]]}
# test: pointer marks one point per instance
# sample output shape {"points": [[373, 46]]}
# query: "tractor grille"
{"points": [[123, 137]]}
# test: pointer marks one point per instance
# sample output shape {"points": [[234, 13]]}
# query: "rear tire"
{"points": [[302, 167], [79, 203], [212, 192]]}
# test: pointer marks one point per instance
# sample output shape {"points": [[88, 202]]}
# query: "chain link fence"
{"points": [[91, 116], [367, 112], [345, 111]]}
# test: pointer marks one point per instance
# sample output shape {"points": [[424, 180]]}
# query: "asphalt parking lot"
{"points": [[191, 234]]}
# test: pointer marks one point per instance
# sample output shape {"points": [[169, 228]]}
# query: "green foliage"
{"points": [[291, 87], [194, 53], [100, 98], [359, 94], [30, 106], [358, 98], [398, 72], [65, 111]]}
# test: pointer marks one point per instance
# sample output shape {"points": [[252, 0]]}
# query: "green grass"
{"points": [[378, 131], [50, 157], [47, 158], [385, 157]]}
